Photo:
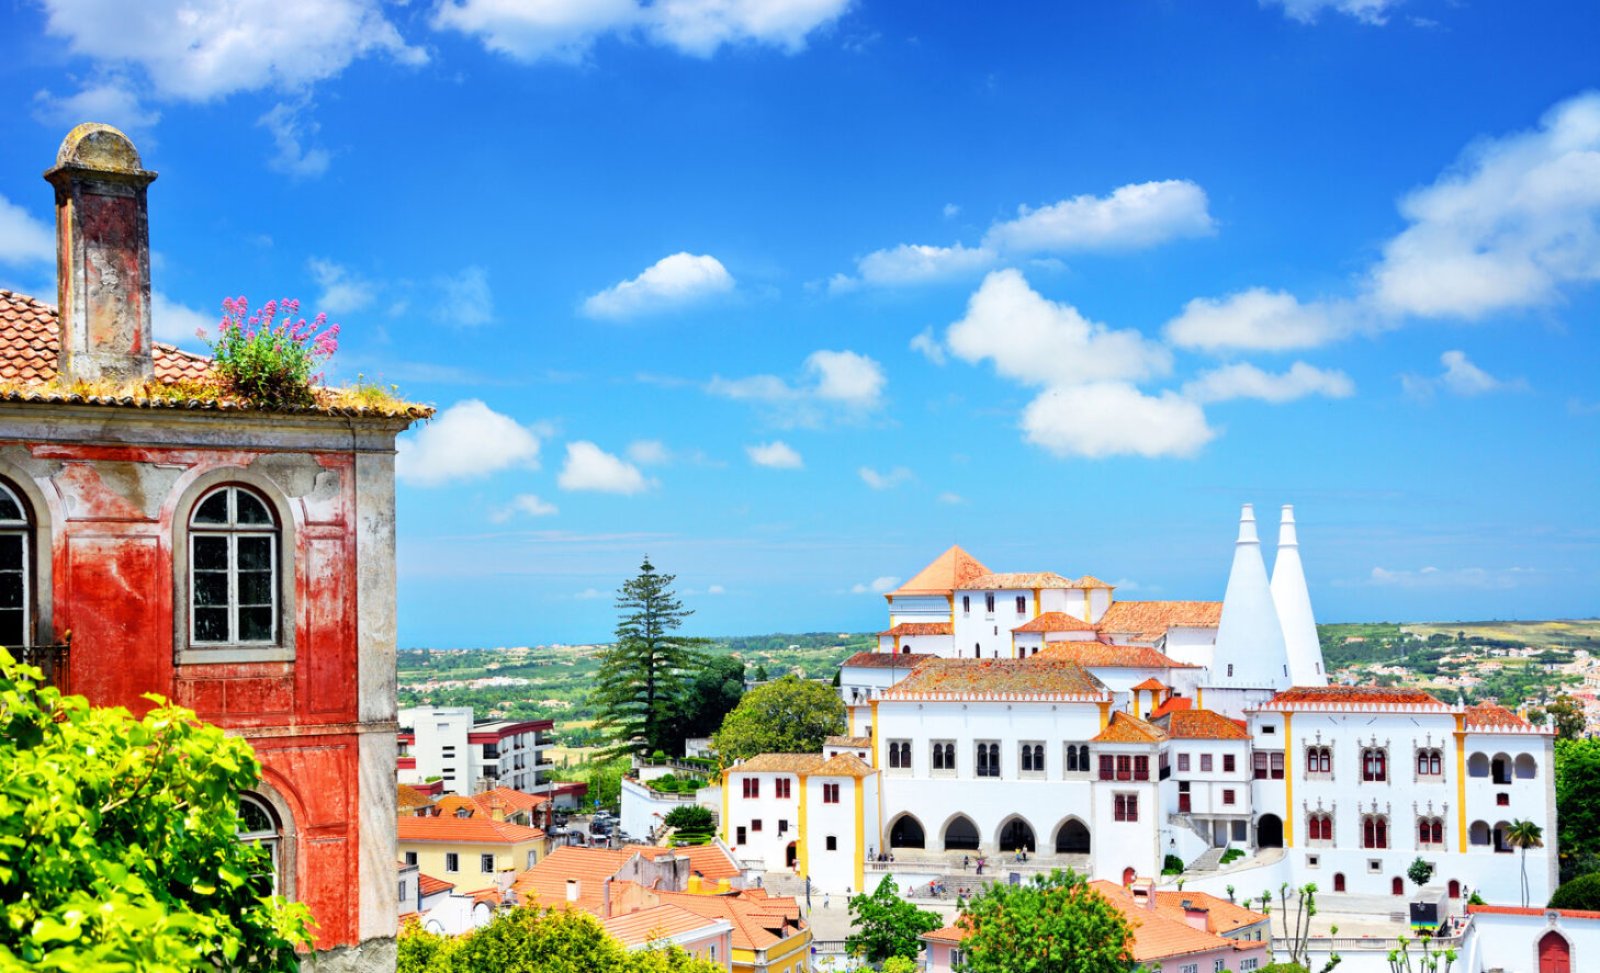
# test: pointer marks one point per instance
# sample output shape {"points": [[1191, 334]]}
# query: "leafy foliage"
{"points": [[689, 817], [643, 676], [885, 925], [1523, 835], [531, 940], [267, 359], [710, 696], [1578, 806], [1054, 924], [1566, 715], [1420, 871], [899, 964], [1582, 892], [604, 778], [788, 715], [118, 845]]}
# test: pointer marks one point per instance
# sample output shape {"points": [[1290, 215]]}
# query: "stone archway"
{"points": [[1269, 831], [1016, 835], [1072, 838], [960, 834], [906, 832]]}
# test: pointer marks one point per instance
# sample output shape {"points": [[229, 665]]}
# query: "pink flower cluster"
{"points": [[316, 336]]}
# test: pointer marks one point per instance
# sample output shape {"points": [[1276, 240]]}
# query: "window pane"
{"points": [[11, 634], [10, 589], [255, 553], [11, 552], [210, 553], [214, 510], [251, 510], [210, 624], [9, 508], [255, 588], [210, 589], [253, 818], [255, 624]]}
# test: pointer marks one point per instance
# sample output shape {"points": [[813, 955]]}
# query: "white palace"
{"points": [[1036, 713]]}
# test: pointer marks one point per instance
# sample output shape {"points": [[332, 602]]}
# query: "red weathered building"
{"points": [[236, 561]]}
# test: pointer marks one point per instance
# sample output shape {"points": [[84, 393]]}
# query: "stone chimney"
{"points": [[572, 890], [102, 256]]}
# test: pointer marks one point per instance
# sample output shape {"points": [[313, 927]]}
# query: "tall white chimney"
{"points": [[1250, 652], [1292, 597]]}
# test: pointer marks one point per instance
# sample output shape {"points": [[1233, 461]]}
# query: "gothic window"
{"points": [[989, 602], [988, 755], [1430, 832], [1319, 760], [258, 825], [1374, 764], [1375, 831], [1031, 758], [1430, 763], [233, 569], [1319, 828]]}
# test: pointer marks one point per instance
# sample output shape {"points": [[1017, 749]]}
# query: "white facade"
{"points": [[804, 815], [1530, 941], [443, 743]]}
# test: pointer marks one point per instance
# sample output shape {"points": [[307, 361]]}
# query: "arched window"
{"points": [[1398, 886], [1319, 760], [1478, 765], [1374, 764], [233, 569], [16, 576], [1375, 831], [1338, 881], [1319, 828], [258, 824], [1430, 832], [1478, 835], [1429, 763]]}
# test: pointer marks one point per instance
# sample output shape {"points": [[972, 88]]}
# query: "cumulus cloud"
{"points": [[588, 467], [1132, 217], [885, 481], [1460, 377], [926, 344], [1375, 12], [292, 128], [176, 322], [1512, 222], [1246, 381], [1258, 320], [110, 99], [672, 283], [1038, 341], [1103, 419], [523, 504], [776, 455], [342, 291], [649, 452], [841, 384], [877, 586], [467, 441], [467, 297], [565, 30]]}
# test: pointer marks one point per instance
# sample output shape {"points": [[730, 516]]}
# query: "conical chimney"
{"points": [[1292, 597], [1250, 652]]}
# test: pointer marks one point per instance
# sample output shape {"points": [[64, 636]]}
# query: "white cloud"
{"points": [[110, 99], [1512, 222], [777, 455], [525, 504], [1133, 216], [649, 452], [1258, 320], [1246, 381], [1114, 419], [177, 323], [588, 467], [951, 211], [199, 50], [840, 383], [1375, 12], [291, 127], [953, 499], [926, 343], [590, 594], [847, 378], [467, 441], [23, 239], [671, 283], [1460, 377], [342, 291], [467, 298], [1038, 341], [1432, 577], [565, 30], [885, 481], [877, 586], [911, 263], [716, 589]]}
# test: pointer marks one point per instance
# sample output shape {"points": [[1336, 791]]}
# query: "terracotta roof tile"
{"points": [[1035, 675], [474, 830], [1055, 622], [411, 799], [655, 923], [1090, 581], [1152, 684], [1488, 716], [1354, 695], [779, 763], [919, 628], [1513, 910], [1172, 704], [843, 765], [1015, 581], [432, 886], [1127, 729], [887, 660], [759, 922], [1093, 655], [849, 741], [949, 571], [1200, 724], [1150, 619]]}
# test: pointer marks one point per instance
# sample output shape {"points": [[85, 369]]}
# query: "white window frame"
{"points": [[22, 528], [232, 531], [270, 838]]}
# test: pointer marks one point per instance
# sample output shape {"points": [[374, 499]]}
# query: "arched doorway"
{"points": [[1072, 838], [1269, 831], [1338, 881], [961, 834], [1128, 875], [906, 832], [1455, 889], [1016, 835], [1555, 956], [790, 857], [1398, 886]]}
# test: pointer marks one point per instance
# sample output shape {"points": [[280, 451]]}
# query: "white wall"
{"points": [[1511, 942]]}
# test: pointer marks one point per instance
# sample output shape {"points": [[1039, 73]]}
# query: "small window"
{"points": [[411, 858], [1319, 761], [486, 864], [781, 788], [783, 826], [233, 570], [755, 825], [452, 862], [739, 835], [1269, 728], [1227, 796], [1125, 807], [1374, 866], [1374, 765], [1183, 762], [989, 602], [1313, 861], [966, 604], [830, 794], [987, 756], [832, 843], [1228, 761], [1022, 605], [943, 753], [1205, 762]]}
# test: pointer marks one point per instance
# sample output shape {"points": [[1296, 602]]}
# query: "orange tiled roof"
{"points": [[887, 660], [1015, 581], [1513, 910], [1055, 622], [1200, 724], [779, 763], [1093, 655], [654, 923], [432, 886], [843, 765], [919, 628], [1488, 716], [478, 829], [1357, 695], [1150, 619], [1171, 704], [1090, 581], [849, 741], [949, 571], [411, 799], [1032, 676], [1152, 684], [30, 347], [759, 921], [1127, 729]]}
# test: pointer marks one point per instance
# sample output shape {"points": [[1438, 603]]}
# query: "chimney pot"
{"points": [[102, 256], [572, 890]]}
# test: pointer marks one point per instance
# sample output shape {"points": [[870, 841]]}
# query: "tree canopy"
{"points": [[885, 925], [1582, 892], [1578, 806], [118, 841], [531, 940], [709, 696], [1053, 924], [1567, 717], [644, 675], [788, 715]]}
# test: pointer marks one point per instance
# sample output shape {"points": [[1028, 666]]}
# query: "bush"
{"points": [[1582, 892], [1172, 866], [266, 359], [690, 817], [1231, 855]]}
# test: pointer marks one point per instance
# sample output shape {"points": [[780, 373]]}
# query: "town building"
{"points": [[469, 847], [236, 561], [444, 743], [803, 813], [1112, 736]]}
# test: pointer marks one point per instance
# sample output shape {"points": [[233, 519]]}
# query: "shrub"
{"points": [[1172, 866], [690, 817], [1582, 892], [1231, 855], [268, 359]]}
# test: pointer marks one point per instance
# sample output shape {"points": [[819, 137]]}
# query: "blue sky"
{"points": [[793, 294]]}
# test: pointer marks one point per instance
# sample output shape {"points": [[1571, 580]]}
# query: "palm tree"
{"points": [[1525, 835]]}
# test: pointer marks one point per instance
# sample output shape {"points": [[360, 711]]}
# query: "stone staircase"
{"points": [[1208, 862]]}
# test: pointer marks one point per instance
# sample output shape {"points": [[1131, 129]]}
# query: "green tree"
{"points": [[1420, 871], [900, 964], [1566, 714], [1578, 806], [788, 715], [643, 675], [1524, 835], [885, 925], [689, 817], [1582, 892], [531, 940], [710, 696], [118, 847], [1053, 924]]}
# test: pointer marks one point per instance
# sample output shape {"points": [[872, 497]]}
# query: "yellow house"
{"points": [[461, 849]]}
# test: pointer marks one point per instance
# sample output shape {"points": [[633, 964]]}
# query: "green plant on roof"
{"points": [[270, 357]]}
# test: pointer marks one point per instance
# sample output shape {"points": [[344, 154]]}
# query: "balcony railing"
{"points": [[52, 659]]}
